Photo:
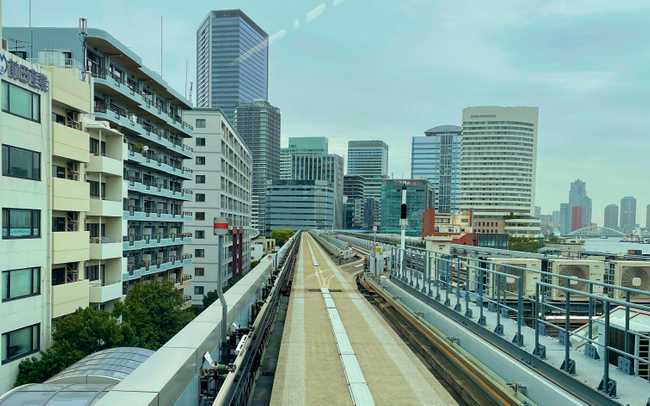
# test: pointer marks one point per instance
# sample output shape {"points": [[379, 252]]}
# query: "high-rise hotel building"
{"points": [[498, 160], [137, 102], [61, 245]]}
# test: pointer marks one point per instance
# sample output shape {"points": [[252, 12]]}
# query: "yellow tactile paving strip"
{"points": [[309, 371]]}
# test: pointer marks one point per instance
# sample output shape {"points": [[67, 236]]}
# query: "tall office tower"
{"points": [[258, 125], [628, 214], [647, 217], [611, 216], [436, 158], [498, 160], [300, 204], [327, 167], [222, 188], [565, 218], [419, 197], [137, 102], [232, 58], [285, 164], [354, 194], [555, 218], [578, 198], [61, 202], [370, 160]]}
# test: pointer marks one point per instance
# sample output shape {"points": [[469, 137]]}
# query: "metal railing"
{"points": [[526, 295]]}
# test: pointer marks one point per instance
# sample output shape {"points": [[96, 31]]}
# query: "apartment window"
{"points": [[200, 123], [200, 179], [198, 290], [96, 188], [20, 343], [199, 253], [95, 272], [200, 142], [200, 160], [199, 215], [199, 234], [199, 271], [19, 283], [97, 147], [200, 197], [21, 163], [21, 223], [21, 102]]}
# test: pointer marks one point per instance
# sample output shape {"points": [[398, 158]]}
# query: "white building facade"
{"points": [[499, 160], [222, 188]]}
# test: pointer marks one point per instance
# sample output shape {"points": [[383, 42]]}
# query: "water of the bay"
{"points": [[614, 245]]}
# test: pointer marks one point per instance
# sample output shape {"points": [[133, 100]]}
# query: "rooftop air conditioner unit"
{"points": [[525, 268], [579, 268], [632, 274]]}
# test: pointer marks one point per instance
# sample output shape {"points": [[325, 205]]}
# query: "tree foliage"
{"points": [[152, 313], [281, 236], [525, 244]]}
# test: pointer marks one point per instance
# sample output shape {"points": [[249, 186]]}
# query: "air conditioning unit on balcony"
{"points": [[525, 268], [632, 274], [580, 268]]}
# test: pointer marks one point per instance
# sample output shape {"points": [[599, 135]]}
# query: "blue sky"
{"points": [[361, 69]]}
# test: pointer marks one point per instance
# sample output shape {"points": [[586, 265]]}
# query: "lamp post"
{"points": [[220, 229]]}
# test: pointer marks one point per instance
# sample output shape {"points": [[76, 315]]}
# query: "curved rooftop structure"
{"points": [[443, 129], [84, 382]]}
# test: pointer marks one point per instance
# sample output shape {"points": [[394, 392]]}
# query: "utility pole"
{"points": [[220, 228], [403, 223]]}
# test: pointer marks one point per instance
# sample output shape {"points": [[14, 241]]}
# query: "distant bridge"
{"points": [[596, 231]]}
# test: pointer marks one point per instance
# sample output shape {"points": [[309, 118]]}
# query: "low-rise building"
{"points": [[419, 197], [300, 204]]}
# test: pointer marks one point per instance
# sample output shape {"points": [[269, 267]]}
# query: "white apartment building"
{"points": [[499, 160], [222, 170]]}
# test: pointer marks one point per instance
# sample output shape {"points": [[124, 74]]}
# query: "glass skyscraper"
{"points": [[436, 158], [232, 58]]}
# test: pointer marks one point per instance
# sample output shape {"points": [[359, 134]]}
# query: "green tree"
{"points": [[210, 298], [525, 244], [281, 236], [75, 336], [152, 313]]}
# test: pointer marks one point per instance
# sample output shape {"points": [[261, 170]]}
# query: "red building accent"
{"points": [[428, 222], [576, 218]]}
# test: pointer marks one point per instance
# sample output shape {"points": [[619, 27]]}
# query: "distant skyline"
{"points": [[349, 72]]}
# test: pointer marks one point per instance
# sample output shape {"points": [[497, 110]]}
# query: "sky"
{"points": [[362, 69]]}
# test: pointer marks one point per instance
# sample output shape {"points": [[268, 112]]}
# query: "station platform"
{"points": [[338, 350]]}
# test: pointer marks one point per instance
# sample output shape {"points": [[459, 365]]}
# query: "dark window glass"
{"points": [[199, 234], [19, 343], [199, 253], [199, 271], [200, 123], [21, 223], [19, 283], [200, 179], [200, 160], [200, 142], [198, 290], [21, 102], [199, 215], [21, 163], [200, 197]]}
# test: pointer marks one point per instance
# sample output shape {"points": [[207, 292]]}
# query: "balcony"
{"points": [[70, 195], [184, 173], [105, 293], [136, 124], [137, 214], [104, 248], [155, 242], [105, 208], [68, 297], [70, 246], [104, 164], [183, 194], [139, 270], [70, 142]]}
